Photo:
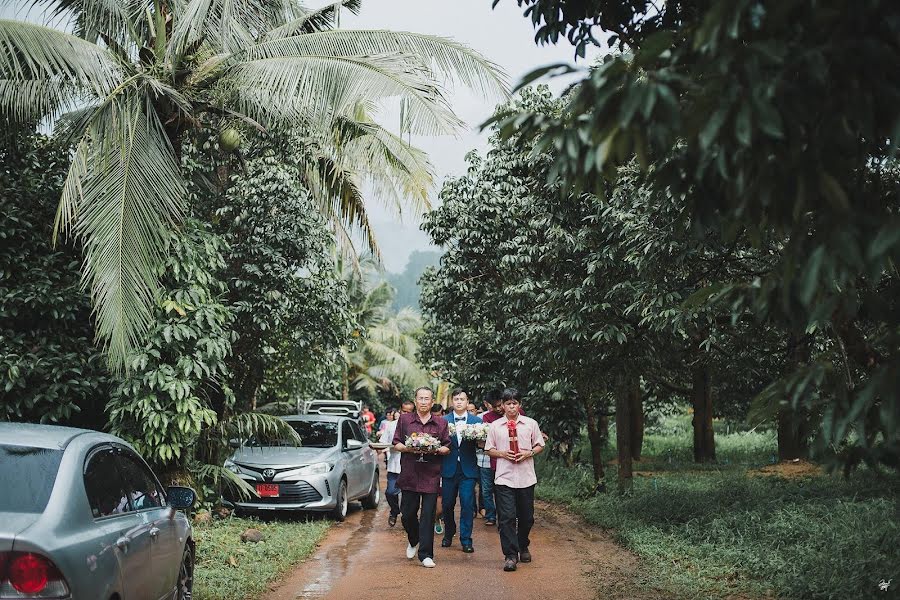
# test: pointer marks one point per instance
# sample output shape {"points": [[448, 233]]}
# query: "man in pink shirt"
{"points": [[514, 441]]}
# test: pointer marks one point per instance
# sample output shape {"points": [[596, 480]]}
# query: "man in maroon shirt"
{"points": [[420, 481]]}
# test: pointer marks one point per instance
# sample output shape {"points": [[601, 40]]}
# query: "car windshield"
{"points": [[316, 434], [28, 475]]}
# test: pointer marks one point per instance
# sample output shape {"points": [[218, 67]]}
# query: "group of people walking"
{"points": [[504, 468]]}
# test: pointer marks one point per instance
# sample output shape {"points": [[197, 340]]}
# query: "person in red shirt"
{"points": [[368, 419], [419, 481]]}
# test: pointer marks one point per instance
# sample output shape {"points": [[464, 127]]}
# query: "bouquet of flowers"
{"points": [[476, 432], [422, 442]]}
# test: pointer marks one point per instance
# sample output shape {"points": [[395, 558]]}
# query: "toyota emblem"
{"points": [[269, 473]]}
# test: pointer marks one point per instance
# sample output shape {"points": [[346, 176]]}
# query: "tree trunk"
{"points": [[636, 402], [345, 387], [624, 432], [594, 438], [701, 398], [603, 420], [791, 434], [793, 426]]}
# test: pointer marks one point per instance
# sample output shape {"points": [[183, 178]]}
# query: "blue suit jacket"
{"points": [[465, 453]]}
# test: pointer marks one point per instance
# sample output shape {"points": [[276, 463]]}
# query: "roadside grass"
{"points": [[228, 569], [712, 531]]}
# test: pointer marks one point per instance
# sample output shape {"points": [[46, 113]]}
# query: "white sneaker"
{"points": [[411, 551], [428, 563]]}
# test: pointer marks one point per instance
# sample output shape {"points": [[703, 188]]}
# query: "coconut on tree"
{"points": [[125, 81]]}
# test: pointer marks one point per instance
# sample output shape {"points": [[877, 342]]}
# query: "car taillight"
{"points": [[28, 573]]}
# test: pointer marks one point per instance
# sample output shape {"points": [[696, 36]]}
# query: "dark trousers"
{"points": [[419, 527], [464, 487], [514, 504], [392, 493]]}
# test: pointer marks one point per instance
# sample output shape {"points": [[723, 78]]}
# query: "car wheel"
{"points": [[371, 501], [186, 575], [339, 513]]}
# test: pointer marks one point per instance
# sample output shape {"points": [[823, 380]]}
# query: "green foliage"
{"points": [[177, 382], [721, 531], [50, 370], [228, 569], [760, 123], [291, 311]]}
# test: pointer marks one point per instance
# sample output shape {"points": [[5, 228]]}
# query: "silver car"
{"points": [[82, 517], [334, 466]]}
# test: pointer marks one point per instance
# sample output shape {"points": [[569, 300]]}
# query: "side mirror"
{"points": [[354, 445], [181, 498], [234, 443]]}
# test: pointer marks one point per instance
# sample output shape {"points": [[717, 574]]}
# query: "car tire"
{"points": [[374, 496], [186, 575], [339, 512]]}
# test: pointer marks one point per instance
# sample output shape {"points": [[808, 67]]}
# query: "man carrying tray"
{"points": [[420, 472]]}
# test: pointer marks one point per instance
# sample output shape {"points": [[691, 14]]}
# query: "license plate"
{"points": [[267, 490]]}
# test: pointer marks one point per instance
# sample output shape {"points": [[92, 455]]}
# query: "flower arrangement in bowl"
{"points": [[423, 443]]}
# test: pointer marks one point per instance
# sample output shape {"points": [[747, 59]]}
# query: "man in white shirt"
{"points": [[392, 493]]}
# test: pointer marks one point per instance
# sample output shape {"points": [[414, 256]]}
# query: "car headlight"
{"points": [[229, 464], [314, 469]]}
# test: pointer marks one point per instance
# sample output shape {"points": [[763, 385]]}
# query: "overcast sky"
{"points": [[503, 35]]}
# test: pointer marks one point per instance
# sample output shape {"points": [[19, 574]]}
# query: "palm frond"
{"points": [[258, 425], [306, 90], [50, 68], [339, 197], [322, 19], [119, 20], [448, 58], [220, 478], [228, 25], [398, 173], [121, 196]]}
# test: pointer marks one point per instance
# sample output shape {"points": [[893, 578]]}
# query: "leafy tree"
{"points": [[291, 312], [51, 370], [136, 77], [177, 382], [581, 299], [770, 120]]}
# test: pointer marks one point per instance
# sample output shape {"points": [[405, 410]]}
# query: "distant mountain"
{"points": [[407, 282]]}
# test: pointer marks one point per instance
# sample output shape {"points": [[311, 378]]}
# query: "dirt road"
{"points": [[363, 558]]}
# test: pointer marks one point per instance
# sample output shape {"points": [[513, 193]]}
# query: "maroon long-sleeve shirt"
{"points": [[422, 477]]}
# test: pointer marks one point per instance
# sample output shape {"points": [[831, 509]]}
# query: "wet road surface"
{"points": [[364, 558]]}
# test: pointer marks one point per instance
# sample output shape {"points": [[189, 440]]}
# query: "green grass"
{"points": [[257, 565], [713, 530]]}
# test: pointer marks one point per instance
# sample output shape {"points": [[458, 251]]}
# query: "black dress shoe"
{"points": [[445, 543], [392, 520], [468, 549], [525, 556]]}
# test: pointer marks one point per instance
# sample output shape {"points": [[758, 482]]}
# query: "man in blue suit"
{"points": [[458, 475]]}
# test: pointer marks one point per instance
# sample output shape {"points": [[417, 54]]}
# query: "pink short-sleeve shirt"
{"points": [[509, 473]]}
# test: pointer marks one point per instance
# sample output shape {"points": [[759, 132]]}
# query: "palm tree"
{"points": [[127, 80], [387, 344]]}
